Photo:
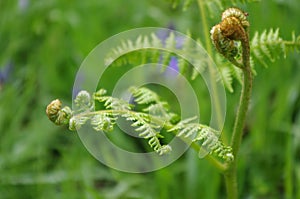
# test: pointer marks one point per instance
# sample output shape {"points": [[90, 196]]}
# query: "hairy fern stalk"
{"points": [[147, 121]]}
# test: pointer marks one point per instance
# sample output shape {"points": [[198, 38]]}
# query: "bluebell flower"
{"points": [[163, 35], [173, 64]]}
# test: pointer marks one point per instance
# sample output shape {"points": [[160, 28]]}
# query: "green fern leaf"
{"points": [[111, 102], [206, 135], [76, 122], [144, 96], [83, 102], [226, 77], [103, 122], [147, 130], [269, 46]]}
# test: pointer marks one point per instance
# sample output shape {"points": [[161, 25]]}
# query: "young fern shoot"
{"points": [[147, 121], [234, 27]]}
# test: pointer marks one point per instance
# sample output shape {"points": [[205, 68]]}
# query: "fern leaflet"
{"points": [[206, 135], [269, 45]]}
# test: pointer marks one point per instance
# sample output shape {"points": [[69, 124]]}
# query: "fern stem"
{"points": [[231, 182], [231, 173], [245, 97], [291, 44]]}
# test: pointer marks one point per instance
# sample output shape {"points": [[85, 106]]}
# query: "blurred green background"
{"points": [[43, 43]]}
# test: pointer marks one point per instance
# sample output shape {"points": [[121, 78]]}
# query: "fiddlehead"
{"points": [[57, 114], [232, 28]]}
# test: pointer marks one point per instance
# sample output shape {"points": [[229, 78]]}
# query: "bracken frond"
{"points": [[270, 46], [154, 106], [227, 73], [265, 48], [147, 122], [143, 95], [204, 134], [147, 130], [144, 49], [103, 122], [83, 102], [153, 54]]}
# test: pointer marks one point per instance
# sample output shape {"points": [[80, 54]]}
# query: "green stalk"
{"points": [[231, 173], [244, 99]]}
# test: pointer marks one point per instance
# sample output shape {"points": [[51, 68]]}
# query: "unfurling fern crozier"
{"points": [[226, 34]]}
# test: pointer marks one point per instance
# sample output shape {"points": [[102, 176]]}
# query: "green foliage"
{"points": [[148, 121], [47, 40], [133, 54], [147, 125], [266, 46], [206, 135], [270, 46], [227, 73], [148, 49]]}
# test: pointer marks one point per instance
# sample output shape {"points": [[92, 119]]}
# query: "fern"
{"points": [[147, 125], [110, 102], [147, 121], [103, 122], [155, 107], [204, 134], [83, 102], [148, 49], [144, 96], [269, 46], [145, 49], [227, 73], [147, 130], [265, 47]]}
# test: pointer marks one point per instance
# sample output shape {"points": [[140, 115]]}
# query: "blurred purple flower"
{"points": [[23, 4], [5, 71], [179, 41], [173, 64]]}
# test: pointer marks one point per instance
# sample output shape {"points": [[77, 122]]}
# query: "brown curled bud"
{"points": [[224, 45], [232, 28], [52, 109], [58, 115], [237, 13]]}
